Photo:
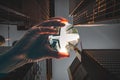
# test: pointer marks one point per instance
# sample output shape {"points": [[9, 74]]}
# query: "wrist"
{"points": [[9, 62]]}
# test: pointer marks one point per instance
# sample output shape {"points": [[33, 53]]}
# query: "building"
{"points": [[92, 63], [93, 11], [95, 61], [97, 64], [16, 17]]}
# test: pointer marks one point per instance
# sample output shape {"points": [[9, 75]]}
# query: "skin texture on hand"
{"points": [[34, 46]]}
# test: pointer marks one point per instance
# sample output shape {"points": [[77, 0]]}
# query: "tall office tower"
{"points": [[96, 64], [99, 62], [94, 11]]}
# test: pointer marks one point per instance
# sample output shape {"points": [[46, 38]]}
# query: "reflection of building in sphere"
{"points": [[2, 40]]}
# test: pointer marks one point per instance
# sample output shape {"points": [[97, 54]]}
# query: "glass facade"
{"points": [[96, 64]]}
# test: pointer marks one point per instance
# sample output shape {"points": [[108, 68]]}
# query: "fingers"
{"points": [[52, 23], [58, 55], [48, 30], [52, 54], [63, 54]]}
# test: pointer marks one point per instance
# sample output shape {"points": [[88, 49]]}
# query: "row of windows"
{"points": [[99, 10]]}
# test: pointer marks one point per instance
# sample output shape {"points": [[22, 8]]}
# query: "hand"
{"points": [[36, 45], [33, 46]]}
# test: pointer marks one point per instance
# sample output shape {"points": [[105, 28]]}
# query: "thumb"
{"points": [[60, 54], [63, 54]]}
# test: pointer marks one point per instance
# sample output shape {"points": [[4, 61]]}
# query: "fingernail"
{"points": [[64, 54]]}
